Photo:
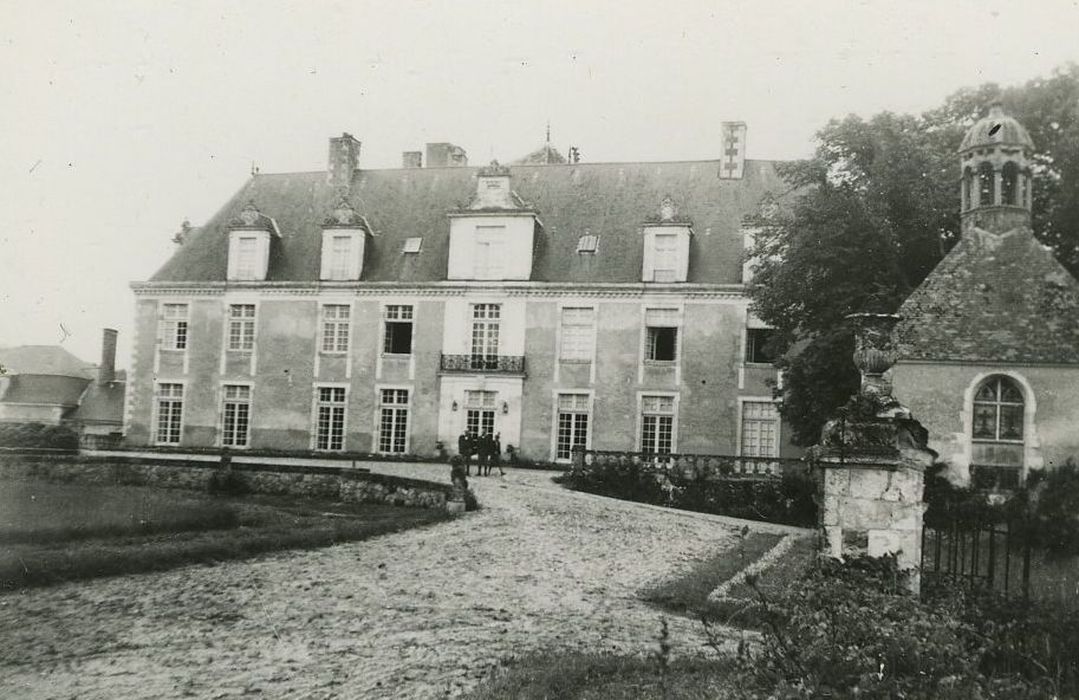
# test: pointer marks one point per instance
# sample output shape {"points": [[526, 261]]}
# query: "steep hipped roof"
{"points": [[43, 359], [610, 200], [994, 298]]}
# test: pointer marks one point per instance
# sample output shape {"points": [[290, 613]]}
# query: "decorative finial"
{"points": [[250, 214], [666, 209]]}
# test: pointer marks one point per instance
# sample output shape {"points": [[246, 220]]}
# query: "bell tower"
{"points": [[996, 179]]}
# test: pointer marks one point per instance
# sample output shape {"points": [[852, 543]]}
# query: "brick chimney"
{"points": [[106, 371], [446, 155], [732, 159], [344, 159], [412, 159]]}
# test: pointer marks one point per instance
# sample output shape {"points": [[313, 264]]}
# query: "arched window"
{"points": [[997, 434], [986, 185], [968, 185], [1009, 184]]}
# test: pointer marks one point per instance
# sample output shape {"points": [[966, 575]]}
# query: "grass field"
{"points": [[51, 533]]}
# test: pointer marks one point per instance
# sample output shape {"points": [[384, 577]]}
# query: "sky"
{"points": [[118, 120]]}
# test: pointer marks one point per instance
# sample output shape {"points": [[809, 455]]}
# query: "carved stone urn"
{"points": [[874, 350]]}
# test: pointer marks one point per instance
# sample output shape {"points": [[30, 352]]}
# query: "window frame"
{"points": [[337, 323], [318, 404], [245, 324], [777, 420], [175, 330], [643, 412], [174, 413], [586, 410], [400, 419], [753, 344], [247, 401], [395, 316]]}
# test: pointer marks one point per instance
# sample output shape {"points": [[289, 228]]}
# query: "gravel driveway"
{"points": [[424, 613]]}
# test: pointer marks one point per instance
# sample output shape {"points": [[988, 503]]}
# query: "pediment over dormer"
{"points": [[666, 244], [250, 237]]}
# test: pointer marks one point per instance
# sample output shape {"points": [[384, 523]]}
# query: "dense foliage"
{"points": [[38, 436], [790, 499], [852, 629], [874, 210]]}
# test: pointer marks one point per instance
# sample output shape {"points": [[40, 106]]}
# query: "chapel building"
{"points": [[989, 342]]}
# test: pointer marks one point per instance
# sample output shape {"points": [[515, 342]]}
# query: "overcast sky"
{"points": [[120, 119]]}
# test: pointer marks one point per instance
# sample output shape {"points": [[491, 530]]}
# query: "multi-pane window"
{"points": [[486, 323], [665, 261], [760, 429], [572, 424], [340, 257], [393, 421], [757, 345], [236, 415], [170, 409], [578, 333], [174, 326], [398, 332], [241, 326], [330, 418], [246, 257], [489, 252], [335, 319], [480, 411], [661, 337], [998, 411], [657, 424]]}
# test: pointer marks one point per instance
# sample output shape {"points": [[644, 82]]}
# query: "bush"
{"points": [[38, 436], [225, 482], [852, 629], [790, 499], [1055, 509]]}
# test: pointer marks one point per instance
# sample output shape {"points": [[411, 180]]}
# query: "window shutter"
{"points": [[648, 264], [327, 255], [682, 273]]}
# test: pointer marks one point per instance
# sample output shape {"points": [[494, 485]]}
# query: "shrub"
{"points": [[38, 436]]}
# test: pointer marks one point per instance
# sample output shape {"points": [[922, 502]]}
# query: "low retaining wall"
{"points": [[338, 483]]}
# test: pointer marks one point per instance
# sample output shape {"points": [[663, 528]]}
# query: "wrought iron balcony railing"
{"points": [[488, 364]]}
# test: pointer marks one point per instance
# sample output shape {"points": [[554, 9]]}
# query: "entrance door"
{"points": [[479, 421]]}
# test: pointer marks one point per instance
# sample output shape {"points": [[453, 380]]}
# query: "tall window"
{"points": [[572, 424], [398, 330], [246, 257], [236, 415], [661, 335], [760, 429], [174, 326], [578, 333], [480, 411], [486, 325], [241, 326], [170, 409], [393, 421], [665, 262], [998, 411], [330, 418], [489, 252], [997, 454], [657, 424], [1009, 184], [335, 327], [341, 257]]}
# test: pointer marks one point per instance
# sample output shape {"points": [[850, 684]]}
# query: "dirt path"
{"points": [[419, 614]]}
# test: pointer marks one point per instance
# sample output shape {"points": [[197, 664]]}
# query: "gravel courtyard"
{"points": [[419, 614]]}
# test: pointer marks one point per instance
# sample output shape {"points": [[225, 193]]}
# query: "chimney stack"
{"points": [[446, 155], [412, 159], [732, 160], [106, 371], [344, 159]]}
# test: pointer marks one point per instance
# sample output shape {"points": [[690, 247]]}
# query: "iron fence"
{"points": [[994, 554]]}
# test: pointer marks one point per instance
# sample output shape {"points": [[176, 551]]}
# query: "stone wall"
{"points": [[874, 510], [335, 483]]}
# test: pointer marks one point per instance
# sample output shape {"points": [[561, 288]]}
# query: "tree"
{"points": [[874, 210]]}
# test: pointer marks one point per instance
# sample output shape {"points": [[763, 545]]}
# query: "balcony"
{"points": [[483, 364]]}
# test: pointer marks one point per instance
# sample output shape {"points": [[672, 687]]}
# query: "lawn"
{"points": [[51, 533]]}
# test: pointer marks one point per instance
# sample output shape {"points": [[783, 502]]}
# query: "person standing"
{"points": [[464, 450], [497, 454]]}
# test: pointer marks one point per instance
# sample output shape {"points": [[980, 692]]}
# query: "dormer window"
{"points": [[343, 241], [249, 245], [489, 251], [666, 246]]}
